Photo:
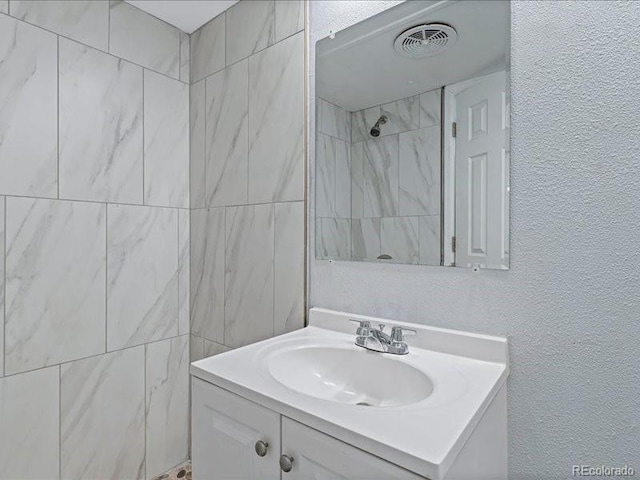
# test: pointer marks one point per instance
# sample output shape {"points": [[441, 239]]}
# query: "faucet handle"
{"points": [[398, 333], [363, 328]]}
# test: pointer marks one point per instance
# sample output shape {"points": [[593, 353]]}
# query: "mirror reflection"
{"points": [[412, 137]]}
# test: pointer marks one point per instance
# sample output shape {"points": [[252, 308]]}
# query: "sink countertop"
{"points": [[467, 371]]}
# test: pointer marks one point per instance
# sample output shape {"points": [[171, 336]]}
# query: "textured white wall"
{"points": [[570, 303]]}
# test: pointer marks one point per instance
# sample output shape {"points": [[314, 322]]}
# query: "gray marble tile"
{"points": [[2, 203], [167, 400], [197, 112], [380, 166], [184, 264], [207, 49], [430, 240], [100, 126], [102, 410], [325, 175], [357, 180], [29, 422], [207, 273], [166, 141], [402, 115], [289, 18], [361, 123], [365, 238], [419, 170], [86, 21], [399, 239], [227, 136], [276, 120], [333, 120], [28, 110], [250, 28], [333, 238], [185, 57], [289, 267], [196, 348], [430, 108], [249, 268], [143, 39], [212, 348], [343, 180], [142, 275], [55, 282], [4, 6]]}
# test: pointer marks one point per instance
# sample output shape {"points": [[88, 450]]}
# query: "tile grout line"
{"points": [[58, 115], [106, 277], [144, 147], [4, 286]]}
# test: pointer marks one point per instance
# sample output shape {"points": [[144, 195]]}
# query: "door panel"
{"points": [[317, 456], [225, 429], [482, 176]]}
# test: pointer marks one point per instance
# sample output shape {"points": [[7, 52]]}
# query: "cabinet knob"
{"points": [[286, 463], [261, 448]]}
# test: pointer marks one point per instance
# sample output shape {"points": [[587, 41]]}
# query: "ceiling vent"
{"points": [[425, 40]]}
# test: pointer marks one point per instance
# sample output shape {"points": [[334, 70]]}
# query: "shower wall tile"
{"points": [[365, 238], [333, 238], [227, 136], [276, 120], [142, 275], [55, 282], [333, 120], [102, 409], [430, 240], [196, 348], [289, 267], [100, 126], [2, 202], [4, 6], [357, 180], [207, 273], [197, 109], [402, 115], [381, 177], [361, 123], [166, 141], [185, 57], [430, 108], [207, 49], [184, 264], [28, 100], [29, 422], [212, 348], [399, 239], [86, 21], [420, 161], [249, 282], [250, 28], [167, 403], [289, 18], [326, 152], [143, 39]]}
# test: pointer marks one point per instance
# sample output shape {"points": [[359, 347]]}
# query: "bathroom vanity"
{"points": [[313, 404]]}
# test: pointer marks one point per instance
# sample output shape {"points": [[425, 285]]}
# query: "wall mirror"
{"points": [[412, 137]]}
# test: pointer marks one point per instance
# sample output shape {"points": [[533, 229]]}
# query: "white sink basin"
{"points": [[351, 376]]}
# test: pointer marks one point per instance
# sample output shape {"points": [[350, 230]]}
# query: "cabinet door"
{"points": [[225, 429], [317, 456]]}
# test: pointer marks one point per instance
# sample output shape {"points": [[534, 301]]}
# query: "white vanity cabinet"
{"points": [[226, 428]]}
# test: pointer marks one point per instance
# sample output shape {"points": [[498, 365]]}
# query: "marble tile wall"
{"points": [[247, 175], [94, 241], [390, 184]]}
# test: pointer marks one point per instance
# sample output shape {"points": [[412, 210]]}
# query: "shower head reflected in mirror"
{"points": [[375, 130]]}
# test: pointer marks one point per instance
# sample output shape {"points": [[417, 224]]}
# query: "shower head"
{"points": [[375, 130]]}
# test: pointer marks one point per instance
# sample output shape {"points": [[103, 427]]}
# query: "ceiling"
{"points": [[359, 68], [187, 15]]}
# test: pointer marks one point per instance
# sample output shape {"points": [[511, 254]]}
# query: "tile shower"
{"points": [[133, 234], [380, 196]]}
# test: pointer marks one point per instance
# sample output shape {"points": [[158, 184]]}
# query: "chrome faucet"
{"points": [[376, 340]]}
